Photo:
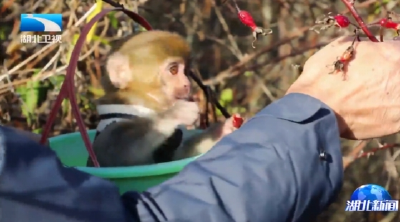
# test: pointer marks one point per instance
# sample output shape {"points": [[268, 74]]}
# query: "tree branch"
{"points": [[350, 5]]}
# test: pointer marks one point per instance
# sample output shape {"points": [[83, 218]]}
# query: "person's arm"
{"points": [[30, 135], [36, 187], [269, 170]]}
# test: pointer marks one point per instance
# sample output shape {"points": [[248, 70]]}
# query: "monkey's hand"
{"points": [[231, 124], [185, 112], [204, 141]]}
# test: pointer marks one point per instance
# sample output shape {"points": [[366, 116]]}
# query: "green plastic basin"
{"points": [[72, 153]]}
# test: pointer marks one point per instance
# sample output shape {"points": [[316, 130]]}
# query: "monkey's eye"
{"points": [[174, 69]]}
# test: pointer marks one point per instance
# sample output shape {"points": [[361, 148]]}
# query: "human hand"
{"points": [[367, 103], [231, 124]]}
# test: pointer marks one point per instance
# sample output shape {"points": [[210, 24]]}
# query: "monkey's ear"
{"points": [[118, 70]]}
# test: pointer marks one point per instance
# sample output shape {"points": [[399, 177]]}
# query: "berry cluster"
{"points": [[341, 21], [328, 21]]}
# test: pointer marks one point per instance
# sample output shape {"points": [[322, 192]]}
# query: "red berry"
{"points": [[246, 18], [237, 121], [341, 21], [386, 23], [383, 21]]}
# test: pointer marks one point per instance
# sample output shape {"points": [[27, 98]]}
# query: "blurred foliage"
{"points": [[244, 79]]}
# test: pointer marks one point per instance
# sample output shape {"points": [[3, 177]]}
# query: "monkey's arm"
{"points": [[200, 143], [36, 187], [132, 142]]}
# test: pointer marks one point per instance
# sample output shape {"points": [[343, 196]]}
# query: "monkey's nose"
{"points": [[186, 88]]}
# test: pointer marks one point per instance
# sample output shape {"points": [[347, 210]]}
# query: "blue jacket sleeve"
{"points": [[36, 187], [284, 164], [269, 170]]}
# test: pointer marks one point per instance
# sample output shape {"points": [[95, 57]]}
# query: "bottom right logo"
{"points": [[371, 197]]}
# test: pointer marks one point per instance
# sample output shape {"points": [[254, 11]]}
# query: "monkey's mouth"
{"points": [[186, 97], [182, 94]]}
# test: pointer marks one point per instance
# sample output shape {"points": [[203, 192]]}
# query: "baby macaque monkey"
{"points": [[146, 100]]}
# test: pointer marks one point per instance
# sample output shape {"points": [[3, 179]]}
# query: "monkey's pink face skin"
{"points": [[176, 82]]}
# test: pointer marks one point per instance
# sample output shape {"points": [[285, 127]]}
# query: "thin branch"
{"points": [[248, 58], [264, 88], [374, 150], [225, 26], [350, 5], [207, 90], [348, 159]]}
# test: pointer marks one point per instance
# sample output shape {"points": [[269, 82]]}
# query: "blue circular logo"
{"points": [[371, 192]]}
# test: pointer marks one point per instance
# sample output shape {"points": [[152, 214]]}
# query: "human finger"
{"points": [[366, 53]]}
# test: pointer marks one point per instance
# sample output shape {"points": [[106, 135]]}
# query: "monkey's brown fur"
{"points": [[145, 52]]}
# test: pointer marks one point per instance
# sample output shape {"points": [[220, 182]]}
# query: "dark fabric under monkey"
{"points": [[269, 170], [166, 151]]}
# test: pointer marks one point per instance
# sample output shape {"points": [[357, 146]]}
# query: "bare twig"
{"points": [[374, 150], [348, 159], [248, 58], [350, 5], [225, 26], [264, 88]]}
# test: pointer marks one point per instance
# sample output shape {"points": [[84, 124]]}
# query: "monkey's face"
{"points": [[176, 84]]}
